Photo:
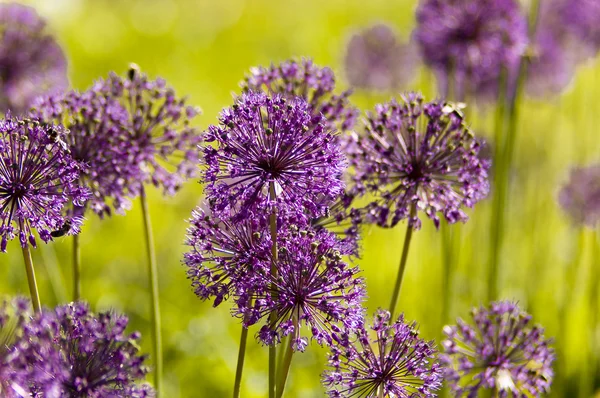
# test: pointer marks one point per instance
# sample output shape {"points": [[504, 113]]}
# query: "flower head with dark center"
{"points": [[31, 61], [73, 352], [397, 363], [377, 60], [314, 84], [314, 288], [500, 350], [269, 151], [160, 128], [225, 255], [97, 140], [580, 197], [38, 178], [418, 156], [469, 42]]}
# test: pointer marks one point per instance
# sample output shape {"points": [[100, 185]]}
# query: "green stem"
{"points": [[448, 250], [154, 298], [76, 268], [407, 238], [33, 290], [240, 362], [287, 361], [273, 316]]}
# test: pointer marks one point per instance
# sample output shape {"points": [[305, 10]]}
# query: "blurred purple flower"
{"points": [[160, 128], [580, 197], [402, 364], [420, 155], [579, 19], [500, 350], [469, 42], [31, 61], [13, 314], [314, 287], [38, 178], [265, 144], [73, 352], [314, 84], [377, 60], [96, 140]]}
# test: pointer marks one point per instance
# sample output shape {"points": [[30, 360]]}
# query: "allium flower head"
{"points": [[501, 350], [13, 314], [401, 364], [579, 19], [96, 139], [267, 146], [377, 60], [580, 197], [160, 128], [314, 84], [468, 42], [73, 352], [38, 178], [31, 61], [420, 155], [225, 255], [314, 289]]}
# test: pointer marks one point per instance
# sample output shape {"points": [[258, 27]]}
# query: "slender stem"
{"points": [[407, 238], [33, 290], [240, 362], [154, 298], [284, 342], [273, 315], [76, 268], [448, 252], [381, 393], [287, 361]]}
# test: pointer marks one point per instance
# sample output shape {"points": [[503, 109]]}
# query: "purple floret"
{"points": [[580, 197]]}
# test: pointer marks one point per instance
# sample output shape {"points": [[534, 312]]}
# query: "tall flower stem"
{"points": [[33, 290], [407, 239], [448, 253], [76, 268], [287, 361], [273, 315], [240, 362], [154, 299]]}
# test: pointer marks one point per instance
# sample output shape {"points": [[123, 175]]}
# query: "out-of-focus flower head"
{"points": [[580, 197], [13, 315]]}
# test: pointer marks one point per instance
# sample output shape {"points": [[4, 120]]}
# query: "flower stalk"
{"points": [[33, 290], [401, 269], [76, 268]]}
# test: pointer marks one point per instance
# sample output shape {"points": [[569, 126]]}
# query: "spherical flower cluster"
{"points": [[314, 84], [160, 128], [401, 365], [579, 19], [269, 152], [580, 197], [313, 287], [377, 60], [469, 42], [500, 351], [98, 140], [418, 156], [31, 61], [73, 352], [225, 255], [38, 178]]}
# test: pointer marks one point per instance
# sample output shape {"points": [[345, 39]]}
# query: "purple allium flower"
{"points": [[265, 144], [314, 287], [225, 255], [13, 314], [402, 364], [160, 128], [500, 350], [420, 155], [469, 42], [314, 84], [38, 178], [31, 61], [580, 197], [579, 18], [377, 60], [96, 140], [73, 352]]}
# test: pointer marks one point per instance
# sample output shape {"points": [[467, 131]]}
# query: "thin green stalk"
{"points": [[154, 297], [240, 362], [273, 316], [287, 361], [407, 239], [448, 253], [33, 290], [76, 268], [284, 342]]}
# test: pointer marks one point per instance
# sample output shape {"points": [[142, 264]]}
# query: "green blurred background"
{"points": [[203, 48]]}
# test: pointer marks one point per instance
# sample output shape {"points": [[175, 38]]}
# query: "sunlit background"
{"points": [[204, 48]]}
